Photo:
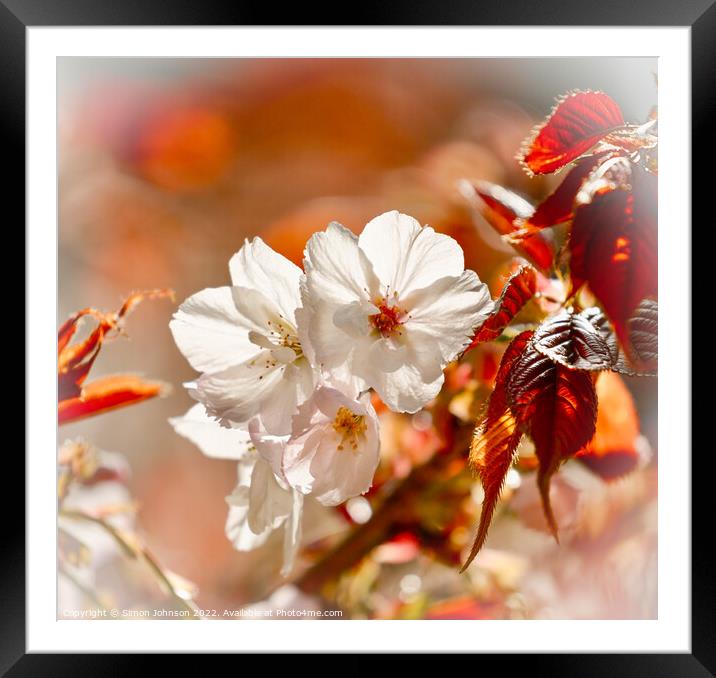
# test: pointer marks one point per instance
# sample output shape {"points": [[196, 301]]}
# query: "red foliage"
{"points": [[612, 452], [557, 407], [545, 387], [558, 207], [505, 211], [578, 122], [518, 290], [570, 339], [107, 393], [495, 441], [613, 245], [74, 361]]}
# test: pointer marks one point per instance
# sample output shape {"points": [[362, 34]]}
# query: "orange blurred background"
{"points": [[166, 165]]}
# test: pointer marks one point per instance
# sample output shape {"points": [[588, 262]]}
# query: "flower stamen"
{"points": [[388, 320], [349, 426]]}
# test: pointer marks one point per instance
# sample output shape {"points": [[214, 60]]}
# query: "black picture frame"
{"points": [[700, 15]]}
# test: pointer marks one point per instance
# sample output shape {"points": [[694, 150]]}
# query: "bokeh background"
{"points": [[166, 165]]}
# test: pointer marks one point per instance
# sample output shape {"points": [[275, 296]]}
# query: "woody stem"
{"points": [[395, 509]]}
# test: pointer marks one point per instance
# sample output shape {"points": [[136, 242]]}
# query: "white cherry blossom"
{"points": [[244, 340], [393, 307], [261, 501], [333, 450]]}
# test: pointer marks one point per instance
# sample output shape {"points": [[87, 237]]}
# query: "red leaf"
{"points": [[494, 443], [75, 361], [613, 248], [107, 394], [642, 329], [559, 207], [570, 339], [557, 407], [643, 333], [518, 290], [612, 452], [505, 211], [577, 122]]}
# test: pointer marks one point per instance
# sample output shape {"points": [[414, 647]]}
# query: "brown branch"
{"points": [[396, 508]]}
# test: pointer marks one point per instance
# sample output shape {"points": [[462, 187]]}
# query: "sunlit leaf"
{"points": [[613, 248], [559, 206], [518, 290], [577, 122], [108, 393], [505, 211], [557, 407], [74, 361], [570, 339], [494, 443], [643, 331]]}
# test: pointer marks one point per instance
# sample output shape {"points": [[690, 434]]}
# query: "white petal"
{"points": [[261, 313], [298, 458], [405, 389], [292, 533], [257, 266], [449, 311], [210, 331], [353, 318], [209, 436], [269, 503], [277, 408], [303, 321], [331, 345], [237, 526], [336, 269], [406, 256], [238, 531], [269, 447], [237, 393]]}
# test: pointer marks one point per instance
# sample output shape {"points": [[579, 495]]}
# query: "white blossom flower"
{"points": [[393, 306], [214, 440], [333, 449], [261, 502], [245, 341]]}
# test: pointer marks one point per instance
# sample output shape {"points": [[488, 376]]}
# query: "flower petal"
{"points": [[279, 406], [336, 269], [449, 310], [405, 389], [292, 533], [269, 503], [210, 331], [406, 256], [258, 267], [209, 436], [236, 394]]}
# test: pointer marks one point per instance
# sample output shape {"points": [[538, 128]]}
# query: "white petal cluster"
{"points": [[287, 360]]}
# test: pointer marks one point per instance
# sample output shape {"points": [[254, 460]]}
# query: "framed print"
{"points": [[359, 325]]}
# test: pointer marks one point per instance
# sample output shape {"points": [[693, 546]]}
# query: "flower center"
{"points": [[349, 426], [388, 319], [282, 334]]}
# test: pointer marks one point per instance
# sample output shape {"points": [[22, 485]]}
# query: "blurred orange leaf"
{"points": [[107, 393], [612, 452]]}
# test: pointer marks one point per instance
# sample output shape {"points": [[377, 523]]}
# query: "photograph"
{"points": [[358, 338]]}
